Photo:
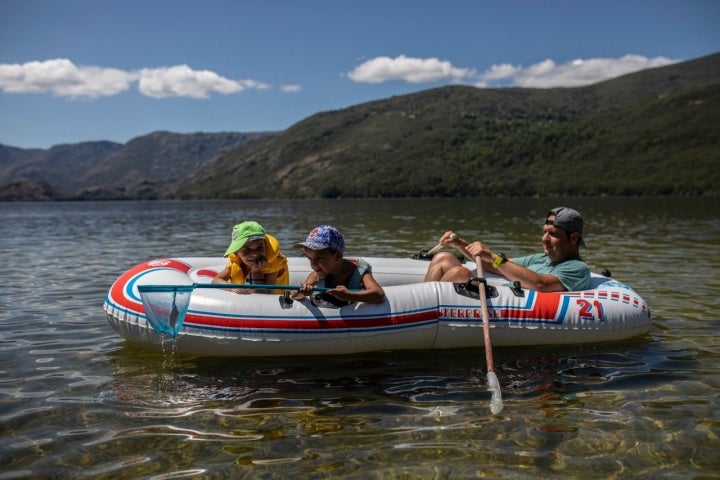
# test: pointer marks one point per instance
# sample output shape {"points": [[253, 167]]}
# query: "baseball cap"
{"points": [[242, 233], [324, 236], [568, 219]]}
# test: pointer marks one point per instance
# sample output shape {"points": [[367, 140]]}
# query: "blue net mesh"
{"points": [[166, 306]]}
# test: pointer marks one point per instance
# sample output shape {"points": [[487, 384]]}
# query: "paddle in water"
{"points": [[496, 402]]}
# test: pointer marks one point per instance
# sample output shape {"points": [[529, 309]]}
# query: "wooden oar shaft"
{"points": [[435, 249], [496, 401], [440, 246], [485, 317]]}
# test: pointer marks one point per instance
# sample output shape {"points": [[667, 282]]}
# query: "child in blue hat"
{"points": [[350, 280]]}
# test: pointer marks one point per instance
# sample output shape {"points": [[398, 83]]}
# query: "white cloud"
{"points": [[182, 81], [545, 74], [63, 78], [499, 72], [408, 69], [254, 84], [580, 72], [290, 88]]}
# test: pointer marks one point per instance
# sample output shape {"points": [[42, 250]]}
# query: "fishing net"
{"points": [[166, 306]]}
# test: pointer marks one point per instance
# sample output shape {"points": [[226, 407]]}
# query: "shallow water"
{"points": [[77, 401]]}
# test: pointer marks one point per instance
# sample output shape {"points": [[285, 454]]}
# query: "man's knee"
{"points": [[445, 258], [457, 274]]}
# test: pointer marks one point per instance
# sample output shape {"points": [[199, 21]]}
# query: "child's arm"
{"points": [[371, 293], [306, 287], [222, 277]]}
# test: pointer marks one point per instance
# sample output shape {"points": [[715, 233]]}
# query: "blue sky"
{"points": [[77, 70]]}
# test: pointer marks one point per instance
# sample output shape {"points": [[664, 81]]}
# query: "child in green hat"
{"points": [[254, 257]]}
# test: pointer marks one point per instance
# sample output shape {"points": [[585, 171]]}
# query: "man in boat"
{"points": [[559, 268]]}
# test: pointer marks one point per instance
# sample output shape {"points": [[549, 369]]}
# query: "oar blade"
{"points": [[166, 306], [496, 401]]}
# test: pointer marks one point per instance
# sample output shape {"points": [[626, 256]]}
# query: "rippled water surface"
{"points": [[76, 400]]}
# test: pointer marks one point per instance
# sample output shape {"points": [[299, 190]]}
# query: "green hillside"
{"points": [[653, 132]]}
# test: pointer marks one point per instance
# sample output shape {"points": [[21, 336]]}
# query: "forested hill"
{"points": [[141, 168], [652, 132]]}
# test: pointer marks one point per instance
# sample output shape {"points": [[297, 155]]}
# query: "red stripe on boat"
{"points": [[117, 291], [206, 272], [310, 323]]}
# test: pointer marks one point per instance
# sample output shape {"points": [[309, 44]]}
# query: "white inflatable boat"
{"points": [[415, 315]]}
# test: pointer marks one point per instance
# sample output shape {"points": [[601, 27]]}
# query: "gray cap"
{"points": [[569, 220]]}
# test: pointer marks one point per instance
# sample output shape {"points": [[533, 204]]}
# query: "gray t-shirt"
{"points": [[574, 274]]}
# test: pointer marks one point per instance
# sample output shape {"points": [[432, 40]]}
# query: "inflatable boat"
{"points": [[415, 315]]}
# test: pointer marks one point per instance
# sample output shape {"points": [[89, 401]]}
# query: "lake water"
{"points": [[76, 400]]}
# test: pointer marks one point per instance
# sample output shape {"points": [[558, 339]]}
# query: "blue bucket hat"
{"points": [[322, 237]]}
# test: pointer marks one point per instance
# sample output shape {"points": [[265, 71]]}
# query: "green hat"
{"points": [[244, 232]]}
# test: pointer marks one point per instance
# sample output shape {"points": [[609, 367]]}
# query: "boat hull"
{"points": [[416, 315]]}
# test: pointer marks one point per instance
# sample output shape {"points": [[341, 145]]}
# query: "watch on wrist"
{"points": [[501, 258]]}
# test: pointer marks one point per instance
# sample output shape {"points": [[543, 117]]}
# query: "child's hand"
{"points": [[258, 263], [306, 289], [341, 293]]}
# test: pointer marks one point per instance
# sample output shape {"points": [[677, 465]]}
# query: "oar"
{"points": [[496, 402], [166, 305], [435, 249], [440, 246]]}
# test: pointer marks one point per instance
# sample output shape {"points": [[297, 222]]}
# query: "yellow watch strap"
{"points": [[498, 261]]}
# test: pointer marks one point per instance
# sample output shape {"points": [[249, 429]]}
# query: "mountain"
{"points": [[107, 170], [648, 133], [652, 132]]}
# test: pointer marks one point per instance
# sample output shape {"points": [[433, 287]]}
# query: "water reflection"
{"points": [[425, 404], [76, 400]]}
